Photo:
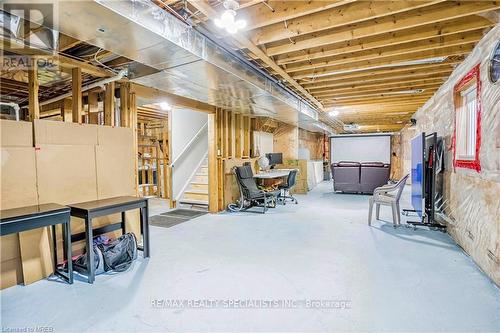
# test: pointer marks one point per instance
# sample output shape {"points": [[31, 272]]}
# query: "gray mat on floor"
{"points": [[174, 217]]}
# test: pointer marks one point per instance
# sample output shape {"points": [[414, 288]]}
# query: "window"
{"points": [[467, 121]]}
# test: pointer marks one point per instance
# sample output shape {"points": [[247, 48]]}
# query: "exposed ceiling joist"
{"points": [[394, 60], [462, 25], [349, 14], [381, 53], [409, 77], [415, 18], [262, 15]]}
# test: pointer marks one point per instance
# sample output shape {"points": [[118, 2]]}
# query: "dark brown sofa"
{"points": [[354, 177]]}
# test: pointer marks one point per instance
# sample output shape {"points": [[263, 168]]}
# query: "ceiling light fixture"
{"points": [[228, 20], [333, 113]]}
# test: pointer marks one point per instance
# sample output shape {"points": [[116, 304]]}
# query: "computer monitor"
{"points": [[275, 158]]}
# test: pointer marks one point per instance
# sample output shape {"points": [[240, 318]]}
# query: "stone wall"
{"points": [[473, 197]]}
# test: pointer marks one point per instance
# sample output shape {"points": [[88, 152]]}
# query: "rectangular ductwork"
{"points": [[186, 62]]}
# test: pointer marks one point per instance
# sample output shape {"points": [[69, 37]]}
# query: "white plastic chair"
{"points": [[388, 195]]}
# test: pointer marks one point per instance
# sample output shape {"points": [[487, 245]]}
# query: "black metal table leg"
{"points": [[67, 249], [90, 250], [54, 240], [123, 223], [145, 230]]}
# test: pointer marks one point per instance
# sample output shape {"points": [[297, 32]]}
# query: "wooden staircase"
{"points": [[196, 193]]}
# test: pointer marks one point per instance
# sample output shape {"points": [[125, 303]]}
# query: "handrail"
{"points": [[190, 143]]}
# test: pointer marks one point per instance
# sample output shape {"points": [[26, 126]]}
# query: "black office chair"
{"points": [[285, 188], [250, 194]]}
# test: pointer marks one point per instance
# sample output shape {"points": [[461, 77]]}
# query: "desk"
{"points": [[39, 216], [277, 173], [91, 209]]}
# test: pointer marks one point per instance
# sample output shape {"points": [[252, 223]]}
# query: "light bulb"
{"points": [[165, 106], [219, 23], [241, 24], [227, 17], [333, 113]]}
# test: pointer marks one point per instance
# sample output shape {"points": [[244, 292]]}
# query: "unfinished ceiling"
{"points": [[373, 62]]}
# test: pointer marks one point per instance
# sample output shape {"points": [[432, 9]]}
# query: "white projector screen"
{"points": [[373, 148]]}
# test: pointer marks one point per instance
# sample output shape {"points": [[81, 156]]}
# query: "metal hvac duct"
{"points": [[187, 63]]}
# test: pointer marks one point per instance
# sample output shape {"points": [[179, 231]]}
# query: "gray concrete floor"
{"points": [[379, 278]]}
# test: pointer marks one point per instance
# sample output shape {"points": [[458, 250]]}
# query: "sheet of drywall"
{"points": [[373, 148]]}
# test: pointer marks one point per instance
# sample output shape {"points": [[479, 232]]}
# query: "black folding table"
{"points": [[96, 208], [32, 217]]}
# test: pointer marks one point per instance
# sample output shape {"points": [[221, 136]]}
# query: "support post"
{"points": [[34, 107], [213, 192], [76, 99], [124, 108], [109, 104]]}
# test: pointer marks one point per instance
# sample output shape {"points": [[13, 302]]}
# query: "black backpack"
{"points": [[117, 255]]}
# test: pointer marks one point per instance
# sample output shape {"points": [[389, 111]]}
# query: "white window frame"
{"points": [[466, 122]]}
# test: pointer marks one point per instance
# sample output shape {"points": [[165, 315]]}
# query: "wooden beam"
{"points": [[66, 110], [405, 76], [124, 108], [416, 18], [461, 25], [393, 60], [33, 106], [76, 98], [402, 99], [156, 96], [93, 105], [109, 104], [66, 42], [378, 85], [71, 63], [389, 71], [208, 11], [213, 199], [333, 18], [390, 51], [262, 15]]}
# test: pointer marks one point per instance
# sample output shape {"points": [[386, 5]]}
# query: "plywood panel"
{"points": [[115, 177], [66, 173], [16, 133], [107, 135], [18, 179], [63, 133]]}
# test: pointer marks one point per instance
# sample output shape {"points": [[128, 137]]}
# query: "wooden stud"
{"points": [[109, 104], [213, 200], [124, 108], [238, 144], [76, 98], [93, 107], [66, 110], [33, 106]]}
